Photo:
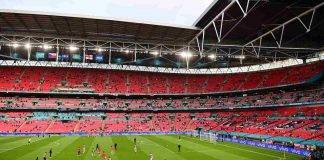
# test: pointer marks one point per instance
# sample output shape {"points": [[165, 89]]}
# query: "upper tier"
{"points": [[49, 79]]}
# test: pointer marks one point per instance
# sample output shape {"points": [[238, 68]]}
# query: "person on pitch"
{"points": [[115, 146], [50, 153]]}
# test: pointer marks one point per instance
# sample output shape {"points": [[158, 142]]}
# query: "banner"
{"points": [[63, 56], [40, 55], [89, 57], [99, 58], [76, 57], [52, 55]]}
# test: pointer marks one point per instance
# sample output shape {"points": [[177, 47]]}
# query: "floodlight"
{"points": [[27, 46], [99, 49], [186, 54], [212, 56], [73, 48], [45, 46], [155, 53], [15, 45], [240, 56]]}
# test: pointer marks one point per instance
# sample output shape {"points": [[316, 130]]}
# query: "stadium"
{"points": [[243, 82]]}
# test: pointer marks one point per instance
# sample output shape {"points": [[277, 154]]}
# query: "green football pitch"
{"points": [[163, 147]]}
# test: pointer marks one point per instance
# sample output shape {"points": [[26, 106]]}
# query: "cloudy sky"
{"points": [[173, 12]]}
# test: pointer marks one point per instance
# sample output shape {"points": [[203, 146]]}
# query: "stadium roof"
{"points": [[90, 27], [172, 12], [236, 30], [266, 15]]}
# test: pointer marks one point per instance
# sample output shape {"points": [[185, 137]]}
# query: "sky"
{"points": [[169, 12]]}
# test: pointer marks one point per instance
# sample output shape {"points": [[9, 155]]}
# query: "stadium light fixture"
{"points": [[240, 56], [99, 49], [155, 53], [15, 45], [27, 46], [73, 48], [212, 56], [186, 54], [46, 46]]}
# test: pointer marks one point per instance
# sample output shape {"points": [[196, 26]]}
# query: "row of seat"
{"points": [[46, 79], [253, 100], [299, 122]]}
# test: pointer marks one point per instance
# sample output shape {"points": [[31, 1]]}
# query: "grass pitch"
{"points": [[163, 147]]}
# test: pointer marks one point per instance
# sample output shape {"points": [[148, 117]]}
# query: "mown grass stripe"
{"points": [[26, 148], [10, 139], [243, 150], [16, 144], [159, 151], [186, 151], [105, 142], [56, 145], [213, 149], [210, 151], [228, 149], [125, 148], [91, 147], [140, 150], [70, 151]]}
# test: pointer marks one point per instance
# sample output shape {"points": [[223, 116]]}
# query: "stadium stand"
{"points": [[44, 79], [259, 100], [299, 122]]}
